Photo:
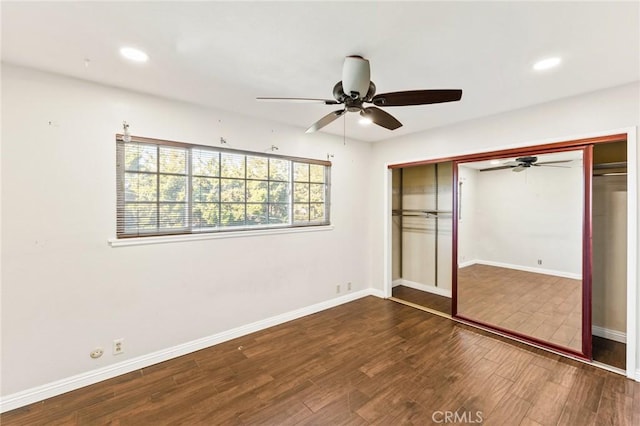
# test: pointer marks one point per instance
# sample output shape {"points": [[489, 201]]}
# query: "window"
{"points": [[167, 188]]}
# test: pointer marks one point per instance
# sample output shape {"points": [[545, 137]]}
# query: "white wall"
{"points": [[467, 219], [609, 248], [66, 291], [602, 111]]}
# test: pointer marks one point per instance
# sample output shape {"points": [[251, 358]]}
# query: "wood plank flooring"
{"points": [[604, 351], [610, 352], [371, 361]]}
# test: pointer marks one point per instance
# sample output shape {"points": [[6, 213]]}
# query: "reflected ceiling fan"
{"points": [[524, 163], [357, 89]]}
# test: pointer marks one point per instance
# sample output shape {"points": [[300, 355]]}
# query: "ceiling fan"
{"points": [[524, 163], [357, 89]]}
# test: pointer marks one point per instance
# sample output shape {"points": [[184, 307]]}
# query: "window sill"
{"points": [[139, 241]]}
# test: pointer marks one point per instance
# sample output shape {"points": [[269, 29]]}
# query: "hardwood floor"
{"points": [[605, 351], [371, 361], [423, 298], [610, 352], [542, 306]]}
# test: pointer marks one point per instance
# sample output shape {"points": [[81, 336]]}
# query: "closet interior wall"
{"points": [[609, 222], [422, 226]]}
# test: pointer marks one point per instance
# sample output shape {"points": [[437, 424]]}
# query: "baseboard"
{"points": [[377, 293], [423, 287], [39, 393], [607, 333], [552, 272], [467, 263]]}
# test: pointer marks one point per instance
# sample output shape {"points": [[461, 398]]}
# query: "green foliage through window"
{"points": [[173, 188]]}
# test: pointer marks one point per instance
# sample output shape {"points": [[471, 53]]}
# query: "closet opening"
{"points": [[422, 236], [609, 268]]}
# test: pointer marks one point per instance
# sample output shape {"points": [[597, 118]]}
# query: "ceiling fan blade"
{"points": [[553, 162], [519, 169], [299, 100], [381, 118], [490, 169], [329, 118], [416, 97]]}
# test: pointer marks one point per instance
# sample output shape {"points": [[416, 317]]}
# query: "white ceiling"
{"points": [[224, 54]]}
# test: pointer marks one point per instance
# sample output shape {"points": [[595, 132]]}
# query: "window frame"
{"points": [[190, 228]]}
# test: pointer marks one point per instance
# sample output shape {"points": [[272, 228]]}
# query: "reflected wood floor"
{"points": [[423, 298], [371, 361], [537, 305]]}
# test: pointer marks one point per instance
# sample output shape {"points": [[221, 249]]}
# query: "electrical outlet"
{"points": [[349, 286], [96, 353], [338, 288], [539, 261], [118, 346]]}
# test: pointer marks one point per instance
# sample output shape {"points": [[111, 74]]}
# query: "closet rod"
{"points": [[610, 174], [616, 165], [420, 211], [416, 212]]}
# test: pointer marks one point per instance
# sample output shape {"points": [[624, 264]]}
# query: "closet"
{"points": [[422, 235], [609, 267], [438, 209]]}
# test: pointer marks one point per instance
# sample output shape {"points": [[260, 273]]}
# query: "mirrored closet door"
{"points": [[521, 251]]}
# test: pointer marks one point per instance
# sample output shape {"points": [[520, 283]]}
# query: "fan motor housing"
{"points": [[528, 160], [340, 96]]}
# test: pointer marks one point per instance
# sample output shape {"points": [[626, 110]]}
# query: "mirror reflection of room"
{"points": [[520, 227], [422, 235]]}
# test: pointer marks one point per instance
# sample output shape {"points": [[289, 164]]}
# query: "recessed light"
{"points": [[547, 63], [134, 54], [364, 121]]}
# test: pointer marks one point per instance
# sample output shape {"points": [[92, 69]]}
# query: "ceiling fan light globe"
{"points": [[356, 76]]}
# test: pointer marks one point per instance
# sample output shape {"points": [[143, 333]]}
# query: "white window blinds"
{"points": [[166, 188]]}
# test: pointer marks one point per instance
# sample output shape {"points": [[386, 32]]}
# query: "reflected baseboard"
{"points": [[607, 333], [423, 287], [468, 263], [535, 270]]}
